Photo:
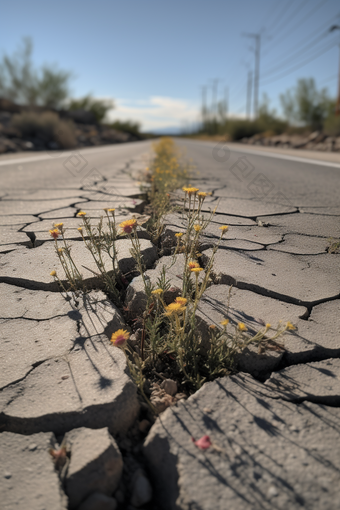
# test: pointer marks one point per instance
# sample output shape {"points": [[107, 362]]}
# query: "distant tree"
{"points": [[305, 104], [21, 82], [99, 107], [128, 126]]}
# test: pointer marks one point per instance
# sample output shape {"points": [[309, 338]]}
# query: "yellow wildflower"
{"points": [[212, 326], [224, 228], [193, 264], [196, 269], [182, 300], [190, 190], [111, 210], [157, 292], [179, 234], [197, 228], [54, 233], [81, 213], [175, 307], [202, 194], [128, 226], [268, 325], [59, 226], [225, 322], [120, 337], [53, 273], [290, 325], [61, 250], [242, 327], [80, 229]]}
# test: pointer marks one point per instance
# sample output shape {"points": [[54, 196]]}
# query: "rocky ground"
{"points": [[316, 141], [73, 431]]}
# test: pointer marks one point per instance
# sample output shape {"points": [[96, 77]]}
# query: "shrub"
{"points": [[98, 107], [47, 127], [332, 126], [127, 126]]}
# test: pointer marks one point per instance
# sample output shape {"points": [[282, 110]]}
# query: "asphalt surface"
{"points": [[67, 170], [303, 182]]}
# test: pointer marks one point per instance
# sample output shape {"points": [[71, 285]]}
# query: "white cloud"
{"points": [[156, 112]]}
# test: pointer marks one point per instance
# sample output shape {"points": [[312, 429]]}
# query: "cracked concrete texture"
{"points": [[301, 245], [255, 311], [31, 268], [34, 207], [33, 194], [318, 337], [6, 248], [18, 219], [51, 327], [10, 235], [305, 224], [28, 478], [300, 279], [223, 219], [133, 205], [266, 453], [87, 387], [96, 464], [332, 211], [316, 382], [64, 212], [76, 378], [169, 240], [248, 208]]}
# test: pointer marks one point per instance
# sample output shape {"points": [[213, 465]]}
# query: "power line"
{"points": [[297, 25], [273, 11], [291, 17], [305, 49], [323, 28], [302, 64], [279, 17]]}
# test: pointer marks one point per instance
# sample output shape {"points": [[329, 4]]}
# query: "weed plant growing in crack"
{"points": [[168, 331]]}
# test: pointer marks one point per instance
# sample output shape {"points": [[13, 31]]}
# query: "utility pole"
{"points": [[249, 91], [337, 106], [214, 88], [204, 104], [257, 38], [226, 101], [214, 96]]}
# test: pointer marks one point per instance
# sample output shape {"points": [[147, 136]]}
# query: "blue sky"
{"points": [[153, 57]]}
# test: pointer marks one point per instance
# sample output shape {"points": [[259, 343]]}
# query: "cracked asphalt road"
{"points": [[57, 366]]}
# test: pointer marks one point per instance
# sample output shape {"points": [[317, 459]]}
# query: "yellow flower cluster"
{"points": [[178, 306], [128, 226], [190, 190], [157, 292], [120, 337]]}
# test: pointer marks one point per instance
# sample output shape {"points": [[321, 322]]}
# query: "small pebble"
{"points": [[7, 475], [144, 426], [98, 501], [32, 447], [169, 386], [272, 492], [142, 490]]}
